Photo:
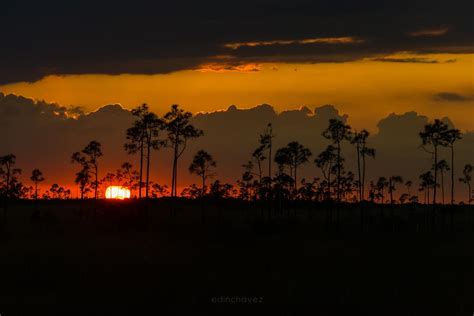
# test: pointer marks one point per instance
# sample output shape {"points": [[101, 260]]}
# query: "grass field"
{"points": [[101, 258]]}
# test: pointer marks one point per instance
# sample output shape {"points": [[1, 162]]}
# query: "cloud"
{"points": [[416, 60], [144, 37], [232, 67], [452, 97], [329, 40], [431, 32]]}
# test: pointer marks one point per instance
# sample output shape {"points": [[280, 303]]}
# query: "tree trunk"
{"points": [[435, 174], [96, 181], [452, 174], [469, 193], [296, 181], [338, 172], [358, 170], [329, 182], [8, 183], [141, 171], [270, 157], [363, 177], [259, 172], [391, 191], [172, 178], [176, 177], [147, 170], [203, 185], [442, 186]]}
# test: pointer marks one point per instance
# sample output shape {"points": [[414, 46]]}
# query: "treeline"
{"points": [[270, 174]]}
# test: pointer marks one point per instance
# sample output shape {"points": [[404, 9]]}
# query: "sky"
{"points": [[366, 90], [371, 60]]}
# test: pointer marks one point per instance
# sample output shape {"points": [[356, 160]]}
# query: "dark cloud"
{"points": [[112, 37], [452, 97], [230, 136], [419, 60]]}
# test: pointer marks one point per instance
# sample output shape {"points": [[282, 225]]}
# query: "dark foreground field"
{"points": [[115, 259]]}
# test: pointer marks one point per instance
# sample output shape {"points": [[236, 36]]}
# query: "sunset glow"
{"points": [[117, 193], [378, 85]]}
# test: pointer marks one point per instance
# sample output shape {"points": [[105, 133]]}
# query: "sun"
{"points": [[117, 193]]}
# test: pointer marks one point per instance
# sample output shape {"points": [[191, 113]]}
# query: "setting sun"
{"points": [[117, 193]]}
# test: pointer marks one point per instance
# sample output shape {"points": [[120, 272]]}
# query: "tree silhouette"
{"points": [[467, 177], [88, 158], [109, 179], [179, 132], [372, 191], [283, 182], [298, 156], [283, 160], [135, 144], [10, 187], [337, 132], [246, 187], [381, 184], [403, 198], [293, 155], [152, 125], [451, 136], [392, 182], [365, 152], [83, 179], [128, 177], [442, 167], [218, 190], [8, 175], [202, 165], [36, 177], [308, 191], [427, 181], [326, 161], [259, 157], [58, 192], [143, 137], [360, 141], [435, 135], [348, 185], [93, 151], [158, 190], [408, 185], [249, 186], [266, 140], [192, 192]]}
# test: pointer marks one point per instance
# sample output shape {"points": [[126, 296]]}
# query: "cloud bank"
{"points": [[49, 134]]}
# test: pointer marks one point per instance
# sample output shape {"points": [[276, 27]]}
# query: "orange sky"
{"points": [[365, 90]]}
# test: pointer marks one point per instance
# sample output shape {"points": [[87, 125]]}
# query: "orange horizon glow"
{"points": [[366, 90]]}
